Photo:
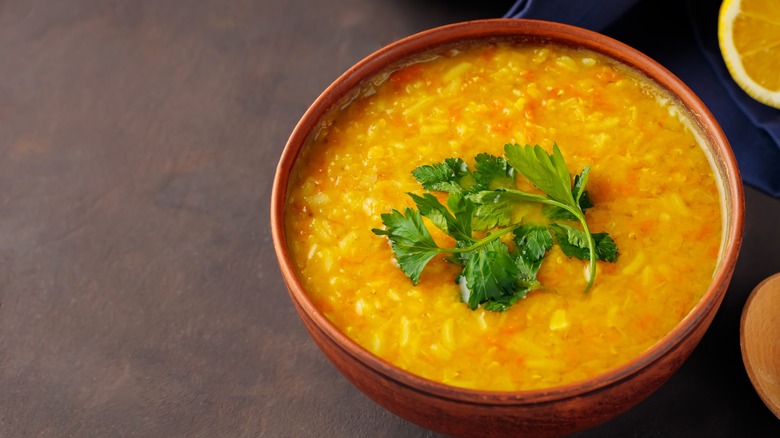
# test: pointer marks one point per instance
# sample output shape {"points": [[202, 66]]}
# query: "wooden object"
{"points": [[760, 341]]}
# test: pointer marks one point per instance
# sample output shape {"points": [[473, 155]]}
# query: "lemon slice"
{"points": [[749, 38]]}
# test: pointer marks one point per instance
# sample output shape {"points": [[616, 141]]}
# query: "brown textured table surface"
{"points": [[139, 291]]}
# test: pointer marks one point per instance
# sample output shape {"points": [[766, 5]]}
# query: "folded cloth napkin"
{"points": [[684, 40]]}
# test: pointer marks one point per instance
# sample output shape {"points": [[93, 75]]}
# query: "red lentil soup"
{"points": [[651, 182]]}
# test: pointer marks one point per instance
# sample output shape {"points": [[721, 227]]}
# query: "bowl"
{"points": [[544, 412]]}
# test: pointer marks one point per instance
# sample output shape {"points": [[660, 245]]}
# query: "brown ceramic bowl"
{"points": [[546, 412]]}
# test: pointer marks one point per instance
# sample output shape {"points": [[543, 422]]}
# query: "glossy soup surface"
{"points": [[651, 183]]}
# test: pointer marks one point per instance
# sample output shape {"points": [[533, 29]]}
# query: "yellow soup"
{"points": [[651, 183]]}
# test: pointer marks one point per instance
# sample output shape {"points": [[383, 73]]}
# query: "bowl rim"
{"points": [[540, 31]]}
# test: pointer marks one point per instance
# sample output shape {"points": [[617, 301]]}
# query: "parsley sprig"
{"points": [[479, 212]]}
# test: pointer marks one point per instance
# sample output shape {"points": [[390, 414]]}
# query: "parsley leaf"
{"points": [[458, 226], [493, 172], [606, 248], [533, 242], [526, 272], [463, 209], [547, 172], [411, 242], [578, 189], [493, 208], [490, 274], [504, 302], [447, 176], [573, 243]]}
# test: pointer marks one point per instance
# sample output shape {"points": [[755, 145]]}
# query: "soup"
{"points": [[650, 181]]}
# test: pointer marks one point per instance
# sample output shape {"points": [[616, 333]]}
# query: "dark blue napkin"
{"points": [[683, 38]]}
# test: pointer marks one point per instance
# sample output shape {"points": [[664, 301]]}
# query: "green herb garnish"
{"points": [[497, 272]]}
